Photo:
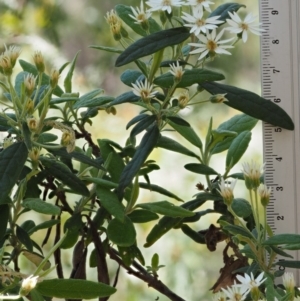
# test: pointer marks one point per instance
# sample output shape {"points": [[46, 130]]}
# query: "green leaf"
{"points": [[68, 78], [55, 101], [94, 102], [74, 289], [136, 119], [111, 203], [178, 121], [146, 146], [73, 226], [223, 10], [24, 238], [40, 206], [186, 132], [44, 225], [289, 264], [152, 43], [239, 123], [161, 190], [80, 157], [166, 208], [102, 182], [124, 13], [237, 148], [142, 125], [241, 207], [279, 251], [200, 168], [189, 78], [108, 49], [12, 160], [142, 216], [195, 236], [252, 104], [122, 233], [281, 239], [174, 146], [46, 138], [4, 216], [238, 230], [125, 97], [64, 174], [45, 78], [130, 76]]}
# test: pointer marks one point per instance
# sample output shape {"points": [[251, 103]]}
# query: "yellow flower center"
{"points": [[211, 45], [167, 2], [141, 17], [200, 22], [244, 26], [200, 1]]}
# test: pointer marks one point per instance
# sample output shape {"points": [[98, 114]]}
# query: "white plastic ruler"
{"points": [[280, 76]]}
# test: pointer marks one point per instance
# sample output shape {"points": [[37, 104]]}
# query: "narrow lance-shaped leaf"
{"points": [[146, 146], [252, 104], [152, 44], [12, 160], [189, 77], [237, 148], [40, 206], [200, 168], [64, 174], [223, 10], [68, 78]]}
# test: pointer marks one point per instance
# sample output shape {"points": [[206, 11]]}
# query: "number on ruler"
{"points": [[279, 188], [277, 100], [274, 12], [278, 130], [275, 42], [276, 71]]}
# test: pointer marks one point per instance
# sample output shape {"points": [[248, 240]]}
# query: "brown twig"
{"points": [[142, 274]]}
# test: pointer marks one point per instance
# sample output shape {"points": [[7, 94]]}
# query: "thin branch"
{"points": [[142, 274]]}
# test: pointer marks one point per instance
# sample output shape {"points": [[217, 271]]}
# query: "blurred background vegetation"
{"points": [[60, 28]]}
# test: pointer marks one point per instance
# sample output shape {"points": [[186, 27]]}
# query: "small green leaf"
{"points": [[122, 233], [125, 97], [74, 289], [241, 207], [12, 160], [73, 226], [136, 119], [102, 182], [152, 43], [40, 206], [189, 78], [46, 138], [238, 230], [195, 236], [130, 76], [223, 10], [108, 49], [161, 190], [237, 148], [24, 238], [44, 225], [281, 239], [200, 168], [142, 125], [68, 78], [295, 264], [111, 203], [252, 104], [146, 146], [166, 208], [187, 132], [239, 123], [279, 251], [64, 174], [178, 121], [94, 102], [142, 216], [174, 146]]}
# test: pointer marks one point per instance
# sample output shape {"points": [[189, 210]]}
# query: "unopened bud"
{"points": [[111, 110], [5, 65], [39, 61], [29, 106], [124, 32], [183, 99], [34, 155], [13, 53], [29, 82], [116, 31], [218, 98], [54, 78], [32, 124], [163, 18], [68, 140]]}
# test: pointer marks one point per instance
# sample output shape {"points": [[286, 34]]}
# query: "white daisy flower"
{"points": [[198, 24], [234, 293], [226, 191], [200, 4], [176, 70], [211, 44], [247, 283], [139, 14], [242, 27], [165, 5], [144, 90], [288, 281], [252, 173]]}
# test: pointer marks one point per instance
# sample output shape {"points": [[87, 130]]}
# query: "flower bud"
{"points": [[5, 65], [227, 191], [111, 110], [29, 82], [68, 140], [183, 99], [32, 124], [13, 53], [124, 32], [54, 78], [264, 194], [163, 18], [39, 61], [29, 106], [218, 98]]}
